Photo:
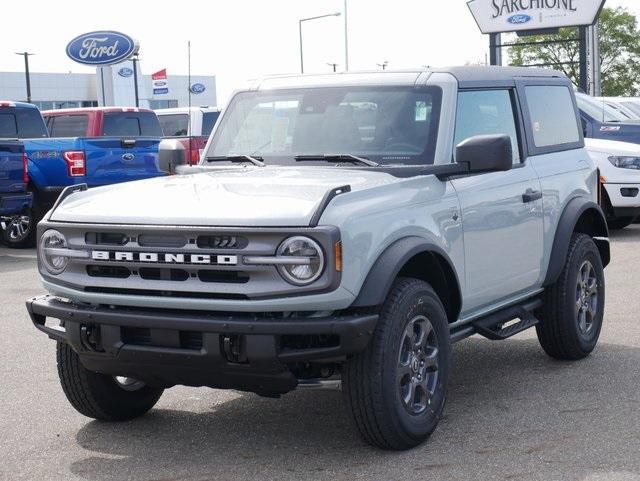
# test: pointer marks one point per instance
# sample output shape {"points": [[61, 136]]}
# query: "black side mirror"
{"points": [[485, 153]]}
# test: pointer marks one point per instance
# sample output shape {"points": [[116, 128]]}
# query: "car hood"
{"points": [[612, 147], [240, 196]]}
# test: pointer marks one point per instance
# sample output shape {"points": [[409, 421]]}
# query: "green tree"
{"points": [[619, 52]]}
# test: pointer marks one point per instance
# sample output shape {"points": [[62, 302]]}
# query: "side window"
{"points": [[487, 112], [69, 126], [175, 125], [553, 116]]}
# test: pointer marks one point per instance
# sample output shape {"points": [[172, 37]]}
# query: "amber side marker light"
{"points": [[338, 256]]}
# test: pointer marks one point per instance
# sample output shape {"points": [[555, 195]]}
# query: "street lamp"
{"points": [[336, 14], [26, 72], [383, 65], [135, 58], [334, 65]]}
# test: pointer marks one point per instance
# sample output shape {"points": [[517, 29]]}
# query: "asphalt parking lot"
{"points": [[513, 414]]}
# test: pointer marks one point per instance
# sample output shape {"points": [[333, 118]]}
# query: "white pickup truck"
{"points": [[619, 164]]}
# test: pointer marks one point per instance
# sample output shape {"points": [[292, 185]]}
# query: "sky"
{"points": [[237, 40]]}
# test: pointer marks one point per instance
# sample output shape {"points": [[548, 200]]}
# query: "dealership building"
{"points": [[108, 86]]}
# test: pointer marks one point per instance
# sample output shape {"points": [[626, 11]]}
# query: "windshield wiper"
{"points": [[337, 158], [238, 158]]}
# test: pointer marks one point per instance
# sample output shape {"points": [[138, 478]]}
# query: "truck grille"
{"points": [[182, 262]]}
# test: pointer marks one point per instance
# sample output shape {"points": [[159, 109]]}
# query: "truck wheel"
{"points": [[20, 231], [573, 309], [396, 389], [100, 396], [617, 223]]}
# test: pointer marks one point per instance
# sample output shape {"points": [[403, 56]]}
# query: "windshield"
{"points": [[388, 125], [131, 124], [599, 110], [633, 106], [23, 123]]}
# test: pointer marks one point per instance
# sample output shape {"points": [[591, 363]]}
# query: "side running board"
{"points": [[493, 326]]}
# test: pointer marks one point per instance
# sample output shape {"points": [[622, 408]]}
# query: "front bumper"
{"points": [[15, 203], [221, 350], [625, 199]]}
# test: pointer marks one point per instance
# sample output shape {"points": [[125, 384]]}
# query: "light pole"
{"points": [[383, 65], [346, 40], [26, 72], [336, 14], [135, 59]]}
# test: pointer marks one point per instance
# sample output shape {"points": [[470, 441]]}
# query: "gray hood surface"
{"points": [[240, 196]]}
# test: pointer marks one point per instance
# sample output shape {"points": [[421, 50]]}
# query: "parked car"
{"points": [[631, 103], [324, 239], [96, 146], [600, 121], [619, 165], [191, 126], [15, 201], [619, 107]]}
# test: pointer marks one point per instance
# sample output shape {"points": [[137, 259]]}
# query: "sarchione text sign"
{"points": [[104, 47], [498, 16]]}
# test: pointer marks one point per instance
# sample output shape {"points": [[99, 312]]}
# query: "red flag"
{"points": [[159, 75]]}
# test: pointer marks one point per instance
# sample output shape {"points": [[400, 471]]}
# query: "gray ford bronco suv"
{"points": [[340, 229]]}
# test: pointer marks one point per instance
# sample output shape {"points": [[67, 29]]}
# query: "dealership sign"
{"points": [[159, 82], [197, 88], [103, 47], [498, 16]]}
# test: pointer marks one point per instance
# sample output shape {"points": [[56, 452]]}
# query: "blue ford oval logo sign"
{"points": [[198, 88], [125, 72], [519, 19], [101, 48]]}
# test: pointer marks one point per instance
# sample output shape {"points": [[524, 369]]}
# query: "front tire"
{"points": [[100, 396], [20, 230], [573, 308], [396, 389]]}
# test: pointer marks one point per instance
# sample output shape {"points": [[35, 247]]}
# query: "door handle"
{"points": [[531, 196]]}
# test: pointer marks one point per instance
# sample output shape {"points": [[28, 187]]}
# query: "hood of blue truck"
{"points": [[239, 196]]}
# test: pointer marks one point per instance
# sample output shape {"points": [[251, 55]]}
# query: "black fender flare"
{"points": [[570, 221], [386, 268]]}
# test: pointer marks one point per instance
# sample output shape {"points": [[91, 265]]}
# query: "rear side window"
{"points": [[487, 112], [209, 119], [552, 116], [174, 125], [69, 125], [23, 123], [131, 124]]}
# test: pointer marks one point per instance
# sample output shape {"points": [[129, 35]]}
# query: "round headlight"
{"points": [[310, 259], [52, 239]]}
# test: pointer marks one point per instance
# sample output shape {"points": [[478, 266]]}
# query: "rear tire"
{"points": [[617, 223], [573, 309], [395, 391], [100, 396]]}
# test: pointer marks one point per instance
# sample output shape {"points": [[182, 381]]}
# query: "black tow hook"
{"points": [[90, 338]]}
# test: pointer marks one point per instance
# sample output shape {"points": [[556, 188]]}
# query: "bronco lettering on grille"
{"points": [[164, 258]]}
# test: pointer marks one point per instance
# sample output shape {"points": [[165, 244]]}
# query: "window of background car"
{"points": [[597, 110], [8, 126], [174, 125], [22, 123], [208, 121], [131, 124], [389, 125], [552, 115], [68, 125], [487, 112]]}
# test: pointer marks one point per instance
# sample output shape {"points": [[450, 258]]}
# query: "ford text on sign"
{"points": [[101, 48]]}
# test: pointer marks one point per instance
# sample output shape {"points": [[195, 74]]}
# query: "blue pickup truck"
{"points": [[601, 121], [15, 201], [94, 146]]}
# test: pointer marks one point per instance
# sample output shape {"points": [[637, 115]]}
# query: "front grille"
{"points": [[221, 242], [166, 293], [230, 277], [105, 238], [141, 336], [160, 274], [112, 272]]}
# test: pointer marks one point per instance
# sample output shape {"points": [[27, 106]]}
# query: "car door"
{"points": [[501, 211]]}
